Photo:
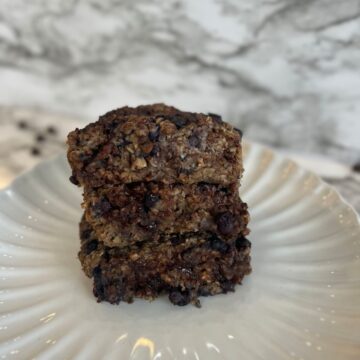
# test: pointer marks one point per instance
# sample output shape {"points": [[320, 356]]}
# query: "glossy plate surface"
{"points": [[302, 300]]}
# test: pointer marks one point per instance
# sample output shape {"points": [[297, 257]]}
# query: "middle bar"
{"points": [[145, 211]]}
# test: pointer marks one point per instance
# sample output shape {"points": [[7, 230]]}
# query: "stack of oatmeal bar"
{"points": [[162, 212]]}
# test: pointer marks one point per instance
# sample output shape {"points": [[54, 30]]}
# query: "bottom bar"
{"points": [[184, 267]]}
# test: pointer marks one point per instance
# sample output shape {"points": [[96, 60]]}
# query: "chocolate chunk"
{"points": [[180, 298], [176, 240], [227, 286], [74, 180], [150, 200], [85, 158], [110, 127], [155, 283], [217, 118], [91, 246], [204, 186], [101, 207], [225, 223], [194, 141], [155, 150], [122, 143], [239, 131], [219, 245], [204, 292], [178, 120], [225, 190], [106, 254], [242, 242], [85, 234], [99, 290], [154, 134]]}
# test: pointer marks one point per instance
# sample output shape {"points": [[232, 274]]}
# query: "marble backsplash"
{"points": [[286, 71]]}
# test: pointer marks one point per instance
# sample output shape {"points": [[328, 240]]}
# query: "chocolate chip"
{"points": [[22, 124], [101, 207], [97, 271], [219, 245], [225, 223], [122, 143], [204, 186], [35, 151], [179, 121], [225, 190], [74, 180], [239, 131], [85, 157], [154, 283], [106, 255], [51, 130], [155, 150], [204, 292], [150, 200], [110, 127], [227, 286], [356, 167], [176, 240], [99, 290], [85, 234], [194, 141], [154, 135], [40, 138], [91, 246], [217, 118], [242, 243], [180, 298]]}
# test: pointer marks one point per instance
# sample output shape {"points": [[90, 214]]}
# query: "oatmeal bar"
{"points": [[130, 213], [155, 143], [194, 265]]}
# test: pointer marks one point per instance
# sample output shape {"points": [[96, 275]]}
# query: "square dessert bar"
{"points": [[125, 214], [162, 211], [194, 265], [155, 143]]}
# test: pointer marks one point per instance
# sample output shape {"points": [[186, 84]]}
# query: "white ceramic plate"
{"points": [[302, 300]]}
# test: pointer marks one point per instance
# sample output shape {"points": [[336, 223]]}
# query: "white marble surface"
{"points": [[286, 71]]}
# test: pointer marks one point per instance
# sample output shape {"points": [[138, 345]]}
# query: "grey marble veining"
{"points": [[286, 71]]}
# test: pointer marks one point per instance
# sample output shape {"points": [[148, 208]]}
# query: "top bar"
{"points": [[155, 143]]}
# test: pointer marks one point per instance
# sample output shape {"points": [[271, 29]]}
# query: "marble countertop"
{"points": [[285, 71]]}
